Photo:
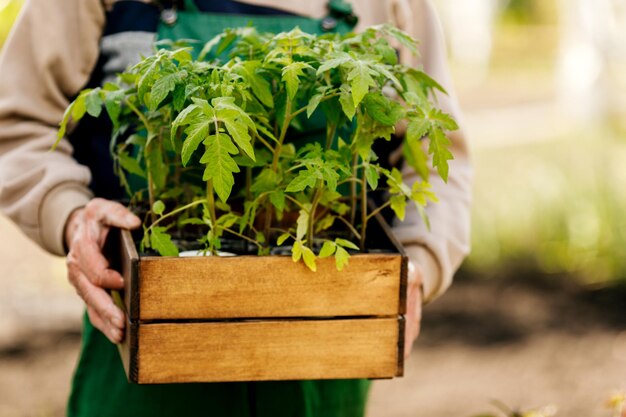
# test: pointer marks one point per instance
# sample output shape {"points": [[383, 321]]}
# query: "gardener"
{"points": [[62, 200]]}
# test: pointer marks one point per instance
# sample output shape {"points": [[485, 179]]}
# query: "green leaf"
{"points": [[328, 249], [93, 103], [383, 110], [347, 104], [196, 134], [372, 176], [313, 103], [306, 178], [259, 85], [113, 105], [282, 238], [443, 120], [265, 181], [302, 224], [79, 107], [161, 241], [341, 258], [291, 74], [239, 132], [161, 88], [309, 258], [416, 158], [346, 244], [337, 59], [398, 205], [361, 80], [438, 147], [130, 164], [228, 220], [219, 163], [277, 198], [296, 251], [325, 223], [158, 208]]}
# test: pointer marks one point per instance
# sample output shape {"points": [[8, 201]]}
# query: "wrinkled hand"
{"points": [[88, 270], [414, 306]]}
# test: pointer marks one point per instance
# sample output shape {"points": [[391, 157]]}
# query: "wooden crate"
{"points": [[255, 318]]}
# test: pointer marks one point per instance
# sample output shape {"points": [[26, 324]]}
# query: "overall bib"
{"points": [[99, 387]]}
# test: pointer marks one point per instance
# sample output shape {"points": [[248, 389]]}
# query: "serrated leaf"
{"points": [[158, 207], [302, 224], [282, 239], [259, 85], [383, 110], [346, 244], [161, 241], [443, 120], [306, 178], [337, 59], [328, 249], [438, 147], [161, 88], [196, 134], [219, 163], [290, 77], [361, 80], [309, 258], [398, 205], [342, 257], [330, 177], [239, 132]]}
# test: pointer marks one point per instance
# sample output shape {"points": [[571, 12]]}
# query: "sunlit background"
{"points": [[537, 315]]}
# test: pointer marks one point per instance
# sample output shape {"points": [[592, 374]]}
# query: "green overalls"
{"points": [[100, 388]]}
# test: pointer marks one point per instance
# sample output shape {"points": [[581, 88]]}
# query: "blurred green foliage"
{"points": [[527, 12], [555, 207]]}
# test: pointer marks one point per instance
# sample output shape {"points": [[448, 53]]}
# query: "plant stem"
{"points": [[178, 210], [350, 226], [139, 114], [293, 200], [363, 210], [316, 199], [244, 237], [353, 190], [283, 133], [330, 135], [378, 210]]}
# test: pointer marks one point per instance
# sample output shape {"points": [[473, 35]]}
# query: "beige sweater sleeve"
{"points": [[441, 249], [46, 60]]}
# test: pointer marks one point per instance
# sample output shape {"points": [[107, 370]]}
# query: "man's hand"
{"points": [[414, 307], [88, 270]]}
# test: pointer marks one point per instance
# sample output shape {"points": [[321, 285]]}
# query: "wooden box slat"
{"points": [[268, 350], [249, 318], [267, 286]]}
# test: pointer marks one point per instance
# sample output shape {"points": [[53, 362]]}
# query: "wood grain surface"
{"points": [[268, 286], [268, 350]]}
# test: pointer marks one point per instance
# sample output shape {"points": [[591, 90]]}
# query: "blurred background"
{"points": [[537, 313]]}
